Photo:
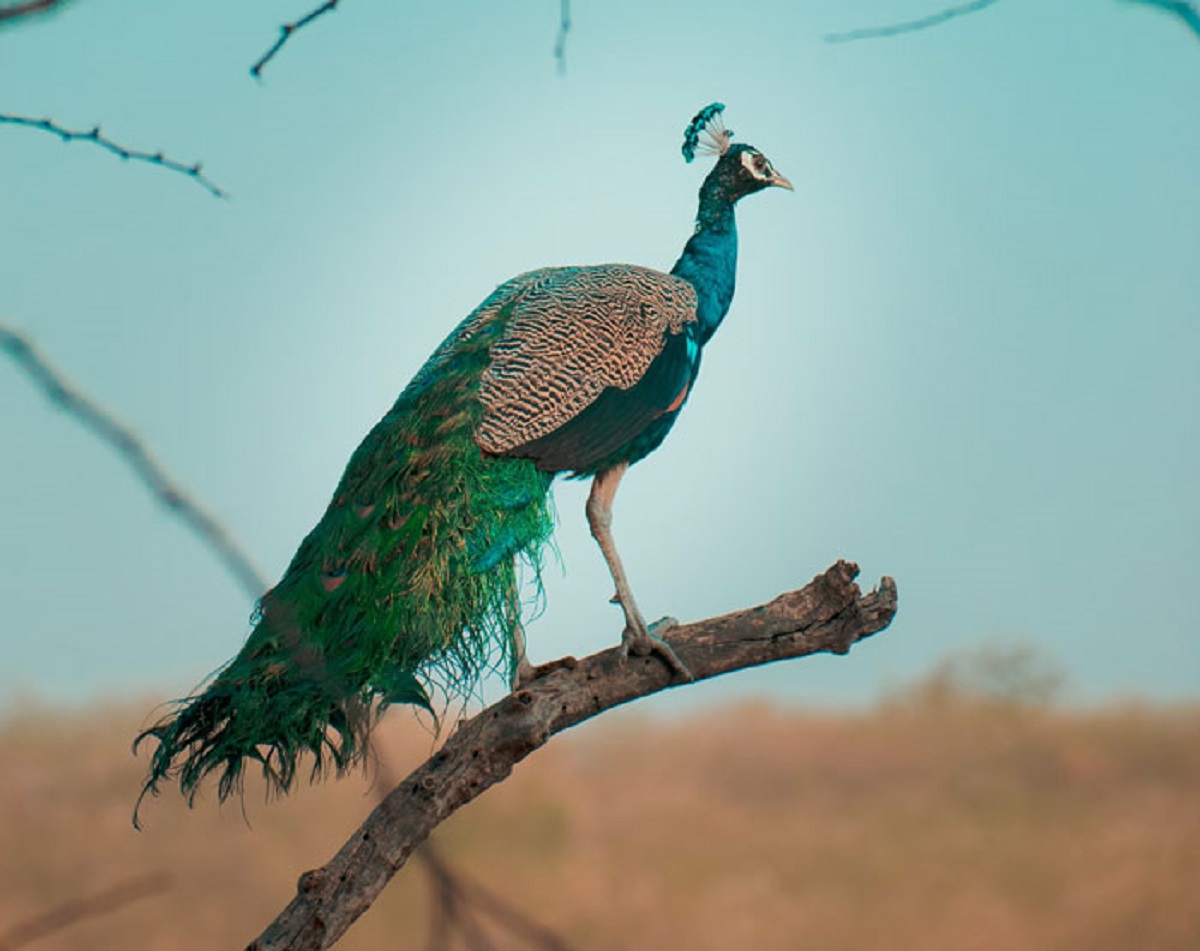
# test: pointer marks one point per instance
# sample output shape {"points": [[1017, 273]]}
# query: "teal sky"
{"points": [[966, 352]]}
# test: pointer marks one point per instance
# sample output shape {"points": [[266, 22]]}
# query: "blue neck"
{"points": [[709, 260]]}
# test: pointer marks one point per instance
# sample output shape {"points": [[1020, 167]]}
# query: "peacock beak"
{"points": [[782, 182]]}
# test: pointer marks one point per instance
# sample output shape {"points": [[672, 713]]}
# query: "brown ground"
{"points": [[935, 821]]}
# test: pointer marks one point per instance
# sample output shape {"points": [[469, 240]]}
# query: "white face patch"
{"points": [[758, 166]]}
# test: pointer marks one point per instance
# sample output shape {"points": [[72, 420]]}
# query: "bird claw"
{"points": [[661, 626], [643, 641]]}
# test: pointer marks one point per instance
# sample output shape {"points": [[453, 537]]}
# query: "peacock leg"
{"points": [[637, 638], [523, 671]]}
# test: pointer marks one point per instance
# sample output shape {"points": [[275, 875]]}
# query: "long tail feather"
{"points": [[408, 584]]}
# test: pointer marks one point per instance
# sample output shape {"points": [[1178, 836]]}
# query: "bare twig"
{"points": [[473, 893], [456, 898], [1188, 13], [120, 437], [450, 908], [453, 896], [829, 614], [16, 11], [70, 913], [564, 27], [909, 26], [285, 34], [94, 135]]}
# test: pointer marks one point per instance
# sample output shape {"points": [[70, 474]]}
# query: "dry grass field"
{"points": [[937, 820]]}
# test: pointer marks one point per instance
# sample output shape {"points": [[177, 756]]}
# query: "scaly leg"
{"points": [[637, 638], [523, 671]]}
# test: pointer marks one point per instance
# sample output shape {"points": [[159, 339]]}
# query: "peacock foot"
{"points": [[642, 641], [527, 672]]}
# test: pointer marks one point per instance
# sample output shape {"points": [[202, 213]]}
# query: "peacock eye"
{"points": [[758, 166]]}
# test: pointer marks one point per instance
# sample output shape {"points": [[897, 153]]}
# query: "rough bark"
{"points": [[828, 615]]}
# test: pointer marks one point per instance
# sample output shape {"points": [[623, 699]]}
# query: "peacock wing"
{"points": [[602, 345]]}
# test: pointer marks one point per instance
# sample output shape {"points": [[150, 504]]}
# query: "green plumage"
{"points": [[408, 583]]}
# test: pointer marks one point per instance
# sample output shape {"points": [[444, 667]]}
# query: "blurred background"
{"points": [[965, 353]]}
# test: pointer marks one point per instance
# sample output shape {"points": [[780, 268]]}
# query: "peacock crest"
{"points": [[706, 133]]}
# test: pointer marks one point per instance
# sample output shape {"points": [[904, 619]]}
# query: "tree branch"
{"points": [[829, 614], [71, 913], [564, 27], [1187, 12], [455, 898], [109, 429], [192, 171], [909, 26], [16, 11], [285, 34]]}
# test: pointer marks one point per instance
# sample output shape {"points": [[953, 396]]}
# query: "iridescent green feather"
{"points": [[408, 584]]}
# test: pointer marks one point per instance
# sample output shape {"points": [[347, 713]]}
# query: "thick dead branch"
{"points": [[71, 913], [285, 34], [909, 26], [829, 615], [60, 391], [193, 171]]}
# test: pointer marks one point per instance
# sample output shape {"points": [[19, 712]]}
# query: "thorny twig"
{"points": [[287, 30], [94, 135], [135, 452], [909, 26], [70, 913], [285, 34]]}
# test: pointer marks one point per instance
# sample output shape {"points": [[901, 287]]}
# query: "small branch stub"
{"points": [[828, 615]]}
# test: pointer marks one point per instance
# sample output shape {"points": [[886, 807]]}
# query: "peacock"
{"points": [[410, 583]]}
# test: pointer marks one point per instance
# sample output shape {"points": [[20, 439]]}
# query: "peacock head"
{"points": [[741, 169]]}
